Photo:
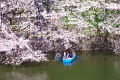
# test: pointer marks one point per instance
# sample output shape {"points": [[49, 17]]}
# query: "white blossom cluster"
{"points": [[18, 21]]}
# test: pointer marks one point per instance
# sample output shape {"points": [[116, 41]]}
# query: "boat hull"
{"points": [[58, 59], [69, 59]]}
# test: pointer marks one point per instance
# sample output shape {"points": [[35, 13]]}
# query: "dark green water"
{"points": [[91, 67]]}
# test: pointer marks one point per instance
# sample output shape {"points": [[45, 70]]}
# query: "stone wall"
{"points": [[117, 45]]}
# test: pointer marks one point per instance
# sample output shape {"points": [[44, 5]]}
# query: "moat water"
{"points": [[91, 66]]}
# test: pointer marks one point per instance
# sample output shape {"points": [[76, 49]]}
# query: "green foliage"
{"points": [[87, 31], [56, 28], [95, 24], [90, 21], [65, 19], [96, 19], [107, 12], [81, 0], [116, 25], [46, 3], [72, 14], [118, 11], [56, 10], [71, 26], [12, 21], [84, 14]]}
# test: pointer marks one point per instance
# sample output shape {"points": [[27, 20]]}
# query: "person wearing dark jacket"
{"points": [[70, 52]]}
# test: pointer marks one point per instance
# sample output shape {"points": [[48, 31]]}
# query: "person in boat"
{"points": [[68, 53], [58, 55]]}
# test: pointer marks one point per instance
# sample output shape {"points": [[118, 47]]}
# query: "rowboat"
{"points": [[58, 56], [58, 59], [67, 60]]}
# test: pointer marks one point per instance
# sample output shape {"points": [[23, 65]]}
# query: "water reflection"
{"points": [[102, 67], [117, 65], [69, 63], [22, 76]]}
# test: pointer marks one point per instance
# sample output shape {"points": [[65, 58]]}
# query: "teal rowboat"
{"points": [[66, 60]]}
